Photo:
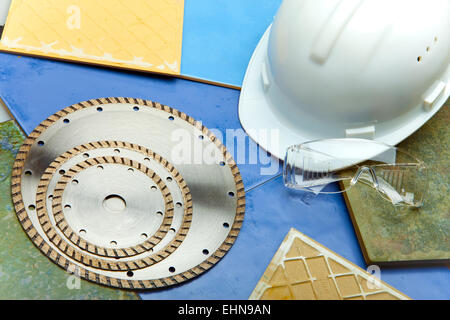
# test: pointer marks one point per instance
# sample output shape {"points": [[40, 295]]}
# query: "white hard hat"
{"points": [[374, 69]]}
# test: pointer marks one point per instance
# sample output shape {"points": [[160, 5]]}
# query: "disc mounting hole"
{"points": [[144, 236], [130, 170], [201, 137], [114, 203], [61, 172], [75, 182], [100, 167], [28, 173], [50, 196], [169, 179], [154, 188], [172, 269], [66, 120], [226, 225], [130, 273], [231, 194], [172, 230], [222, 163], [67, 207], [178, 204], [116, 150], [171, 118], [41, 143], [205, 252], [99, 109], [113, 243], [82, 231], [32, 207], [136, 108], [85, 155], [159, 213]]}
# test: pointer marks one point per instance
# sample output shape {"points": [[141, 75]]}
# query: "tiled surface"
{"points": [[271, 211], [219, 37], [35, 88], [302, 269], [415, 234]]}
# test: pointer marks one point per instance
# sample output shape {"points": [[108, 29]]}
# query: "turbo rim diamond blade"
{"points": [[100, 189]]}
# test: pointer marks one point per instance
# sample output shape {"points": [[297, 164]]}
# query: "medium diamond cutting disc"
{"points": [[128, 193]]}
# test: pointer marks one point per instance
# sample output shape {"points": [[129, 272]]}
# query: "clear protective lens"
{"points": [[311, 170], [397, 176]]}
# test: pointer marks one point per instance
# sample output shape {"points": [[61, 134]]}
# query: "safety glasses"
{"points": [[397, 176]]}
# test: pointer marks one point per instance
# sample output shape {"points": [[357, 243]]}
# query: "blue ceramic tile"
{"points": [[220, 36], [36, 88]]}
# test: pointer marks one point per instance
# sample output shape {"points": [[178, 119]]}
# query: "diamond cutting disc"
{"points": [[128, 193]]}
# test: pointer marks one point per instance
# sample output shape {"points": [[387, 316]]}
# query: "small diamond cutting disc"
{"points": [[128, 193]]}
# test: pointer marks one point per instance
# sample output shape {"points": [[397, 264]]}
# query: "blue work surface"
{"points": [[35, 88], [219, 37]]}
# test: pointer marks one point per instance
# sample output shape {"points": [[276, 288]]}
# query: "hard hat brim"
{"points": [[257, 116]]}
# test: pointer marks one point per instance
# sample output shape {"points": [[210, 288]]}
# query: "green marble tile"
{"points": [[387, 235], [25, 273]]}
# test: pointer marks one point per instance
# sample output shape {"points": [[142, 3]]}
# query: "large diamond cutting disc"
{"points": [[128, 193]]}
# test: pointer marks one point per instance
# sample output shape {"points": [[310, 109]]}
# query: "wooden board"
{"points": [[302, 269], [389, 236]]}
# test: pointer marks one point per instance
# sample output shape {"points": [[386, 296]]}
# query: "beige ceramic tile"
{"points": [[131, 34], [302, 269]]}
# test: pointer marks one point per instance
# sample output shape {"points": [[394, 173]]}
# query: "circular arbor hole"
{"points": [[114, 203]]}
